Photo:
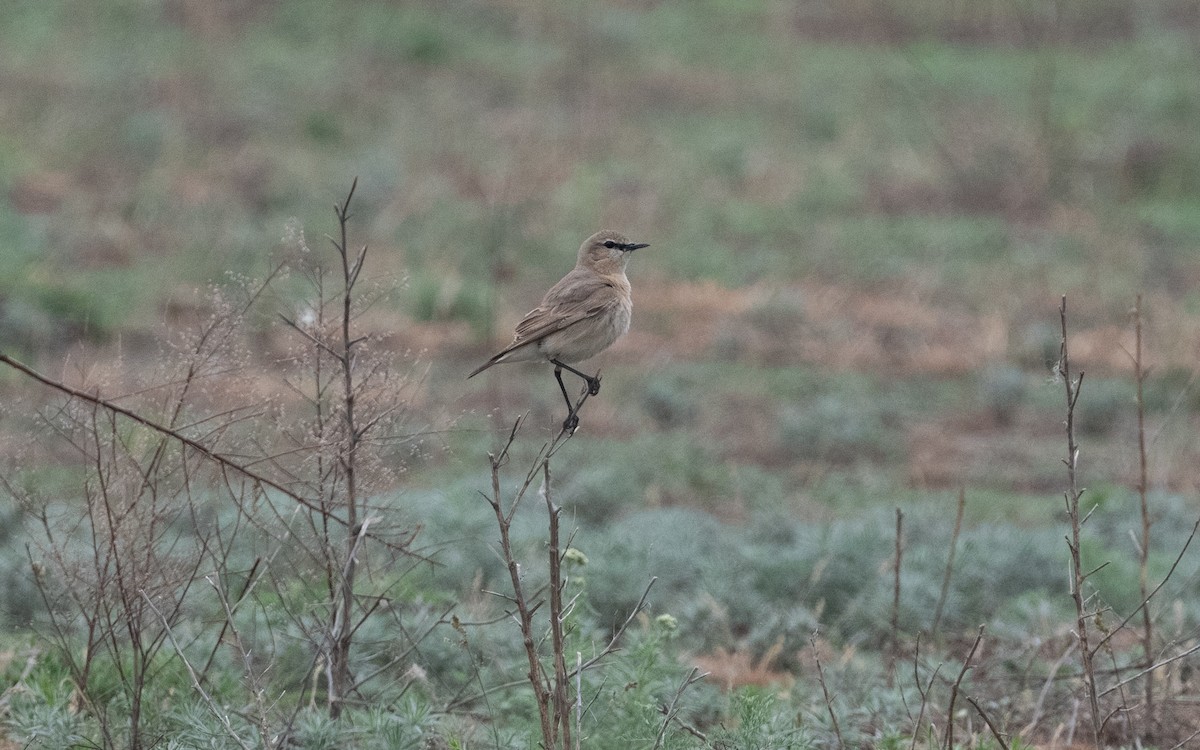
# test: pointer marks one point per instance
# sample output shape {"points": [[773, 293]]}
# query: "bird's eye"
{"points": [[610, 244]]}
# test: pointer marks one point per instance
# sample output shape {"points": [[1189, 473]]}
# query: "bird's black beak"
{"points": [[634, 246]]}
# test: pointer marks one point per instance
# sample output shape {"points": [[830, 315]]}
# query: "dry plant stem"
{"points": [[578, 699], [524, 610], [1186, 740], [222, 461], [837, 730], [616, 636], [1045, 691], [216, 710], [1157, 665], [924, 692], [949, 573], [253, 676], [671, 710], [1072, 496], [342, 632], [955, 687], [1146, 601], [1139, 374], [987, 720], [894, 646], [562, 701], [551, 693]]}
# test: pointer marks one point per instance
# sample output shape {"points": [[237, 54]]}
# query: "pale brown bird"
{"points": [[581, 315]]}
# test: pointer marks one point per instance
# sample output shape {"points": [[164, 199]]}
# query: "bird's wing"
{"points": [[575, 298]]}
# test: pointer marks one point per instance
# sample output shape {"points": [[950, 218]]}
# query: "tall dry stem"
{"points": [[1072, 497], [551, 685], [1139, 375]]}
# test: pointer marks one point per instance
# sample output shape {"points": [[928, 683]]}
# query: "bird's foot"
{"points": [[570, 423], [594, 385]]}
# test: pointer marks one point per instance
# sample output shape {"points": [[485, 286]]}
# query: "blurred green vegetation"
{"points": [[907, 165], [749, 141]]}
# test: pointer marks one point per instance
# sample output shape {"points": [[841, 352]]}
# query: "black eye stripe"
{"points": [[609, 244]]}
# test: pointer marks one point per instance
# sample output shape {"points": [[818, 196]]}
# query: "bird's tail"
{"points": [[485, 365]]}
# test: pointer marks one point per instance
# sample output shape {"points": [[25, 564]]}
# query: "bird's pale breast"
{"points": [[589, 336]]}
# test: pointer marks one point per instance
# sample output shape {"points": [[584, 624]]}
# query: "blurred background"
{"points": [[862, 216]]}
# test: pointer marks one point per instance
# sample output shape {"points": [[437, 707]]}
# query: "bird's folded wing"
{"points": [[564, 306]]}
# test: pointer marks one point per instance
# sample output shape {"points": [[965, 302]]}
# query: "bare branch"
{"points": [[200, 448]]}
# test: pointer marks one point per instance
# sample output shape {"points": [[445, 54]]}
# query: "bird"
{"points": [[581, 315]]}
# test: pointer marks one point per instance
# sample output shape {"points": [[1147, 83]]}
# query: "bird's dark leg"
{"points": [[572, 420], [592, 382], [566, 396]]}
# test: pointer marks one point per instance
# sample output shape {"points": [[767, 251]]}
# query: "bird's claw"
{"points": [[571, 422], [594, 386]]}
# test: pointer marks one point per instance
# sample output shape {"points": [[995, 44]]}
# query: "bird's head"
{"points": [[607, 251]]}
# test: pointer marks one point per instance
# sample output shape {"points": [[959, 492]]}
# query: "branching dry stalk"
{"points": [[551, 687], [350, 397], [129, 574], [1072, 497], [562, 700], [221, 460], [525, 609], [670, 710], [922, 691], [954, 688], [124, 566]]}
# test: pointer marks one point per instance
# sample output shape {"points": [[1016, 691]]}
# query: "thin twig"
{"points": [[924, 693], [200, 448], [524, 610], [1151, 668], [894, 646], [216, 710], [949, 572], [1146, 601], [670, 710], [837, 730], [611, 646], [1139, 375], [955, 687], [988, 720]]}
